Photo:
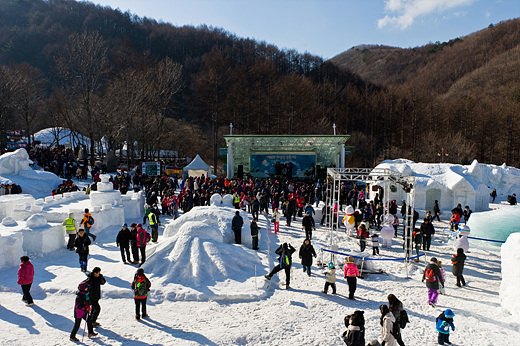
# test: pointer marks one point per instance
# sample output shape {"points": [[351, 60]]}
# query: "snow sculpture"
{"points": [[14, 162], [36, 220], [387, 231], [510, 274], [461, 241], [349, 221], [227, 201], [215, 200], [9, 221], [105, 193]]}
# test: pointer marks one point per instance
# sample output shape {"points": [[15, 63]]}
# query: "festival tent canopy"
{"points": [[198, 167]]}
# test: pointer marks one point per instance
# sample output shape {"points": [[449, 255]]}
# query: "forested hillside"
{"points": [[133, 80]]}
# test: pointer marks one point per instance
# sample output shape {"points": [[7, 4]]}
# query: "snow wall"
{"points": [[510, 274]]}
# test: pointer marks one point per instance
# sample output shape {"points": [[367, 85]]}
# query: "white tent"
{"points": [[198, 167]]}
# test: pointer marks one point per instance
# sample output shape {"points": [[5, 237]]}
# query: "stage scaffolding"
{"points": [[385, 178]]}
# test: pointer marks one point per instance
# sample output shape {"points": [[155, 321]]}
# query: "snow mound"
{"points": [[9, 221], [36, 220], [215, 200], [227, 201], [510, 274], [197, 259]]}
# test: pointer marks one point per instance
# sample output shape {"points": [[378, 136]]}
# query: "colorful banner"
{"points": [[152, 168], [282, 165]]}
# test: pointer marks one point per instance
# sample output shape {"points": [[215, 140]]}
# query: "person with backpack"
{"points": [[443, 323], [355, 333], [141, 286], [123, 242], [351, 273], [285, 252], [87, 222], [95, 280], [330, 278], [306, 253], [433, 277], [82, 311], [25, 279], [82, 243], [395, 306], [142, 238], [387, 322], [458, 266]]}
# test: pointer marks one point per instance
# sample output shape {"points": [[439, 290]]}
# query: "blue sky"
{"points": [[329, 27]]}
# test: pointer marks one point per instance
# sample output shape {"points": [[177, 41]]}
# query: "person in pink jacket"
{"points": [[25, 279], [351, 274]]}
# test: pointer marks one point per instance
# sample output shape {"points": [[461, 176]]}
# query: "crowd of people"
{"points": [[286, 198]]}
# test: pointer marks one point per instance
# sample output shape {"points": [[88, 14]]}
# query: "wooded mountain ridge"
{"points": [[133, 80]]}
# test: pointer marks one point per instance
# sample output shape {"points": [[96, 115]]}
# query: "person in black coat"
{"points": [[308, 225], [81, 244], [427, 230], [95, 280], [254, 234], [436, 211], [306, 253], [290, 211], [396, 306], [123, 241], [285, 252], [133, 240], [236, 226], [458, 266]]}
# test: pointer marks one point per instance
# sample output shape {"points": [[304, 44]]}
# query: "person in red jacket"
{"points": [[455, 220], [25, 279], [362, 235]]}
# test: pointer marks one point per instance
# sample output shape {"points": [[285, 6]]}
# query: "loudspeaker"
{"points": [[240, 172]]}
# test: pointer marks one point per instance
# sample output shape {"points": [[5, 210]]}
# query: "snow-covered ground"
{"points": [[266, 315]]}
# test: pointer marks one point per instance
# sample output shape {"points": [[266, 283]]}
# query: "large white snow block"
{"points": [[11, 245], [510, 274], [7, 203]]}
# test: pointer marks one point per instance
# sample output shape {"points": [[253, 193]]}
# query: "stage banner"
{"points": [[283, 165], [151, 168]]}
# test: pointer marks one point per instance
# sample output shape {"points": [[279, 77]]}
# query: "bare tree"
{"points": [[83, 67]]}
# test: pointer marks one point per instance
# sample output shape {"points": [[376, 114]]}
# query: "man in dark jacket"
{"points": [[285, 252], [290, 211], [133, 239], [427, 230], [236, 226], [81, 244], [123, 241], [458, 266], [95, 280], [254, 234], [308, 225], [306, 253], [255, 208]]}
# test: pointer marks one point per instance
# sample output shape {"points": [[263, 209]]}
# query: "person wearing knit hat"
{"points": [[433, 277], [444, 323], [82, 311], [71, 229], [123, 242], [141, 286]]}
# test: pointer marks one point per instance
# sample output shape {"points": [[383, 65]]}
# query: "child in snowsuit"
{"points": [[375, 244], [444, 322], [442, 290], [82, 311], [363, 235], [330, 279], [351, 273], [355, 333], [141, 286]]}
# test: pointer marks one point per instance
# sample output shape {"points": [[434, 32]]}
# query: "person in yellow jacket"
{"points": [[153, 219], [71, 229], [87, 222]]}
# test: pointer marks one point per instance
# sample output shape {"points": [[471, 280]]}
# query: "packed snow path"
{"points": [[301, 315]]}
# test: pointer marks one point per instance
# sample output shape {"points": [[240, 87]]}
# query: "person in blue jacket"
{"points": [[444, 322]]}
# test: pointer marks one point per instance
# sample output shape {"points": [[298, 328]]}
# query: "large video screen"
{"points": [[283, 165]]}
